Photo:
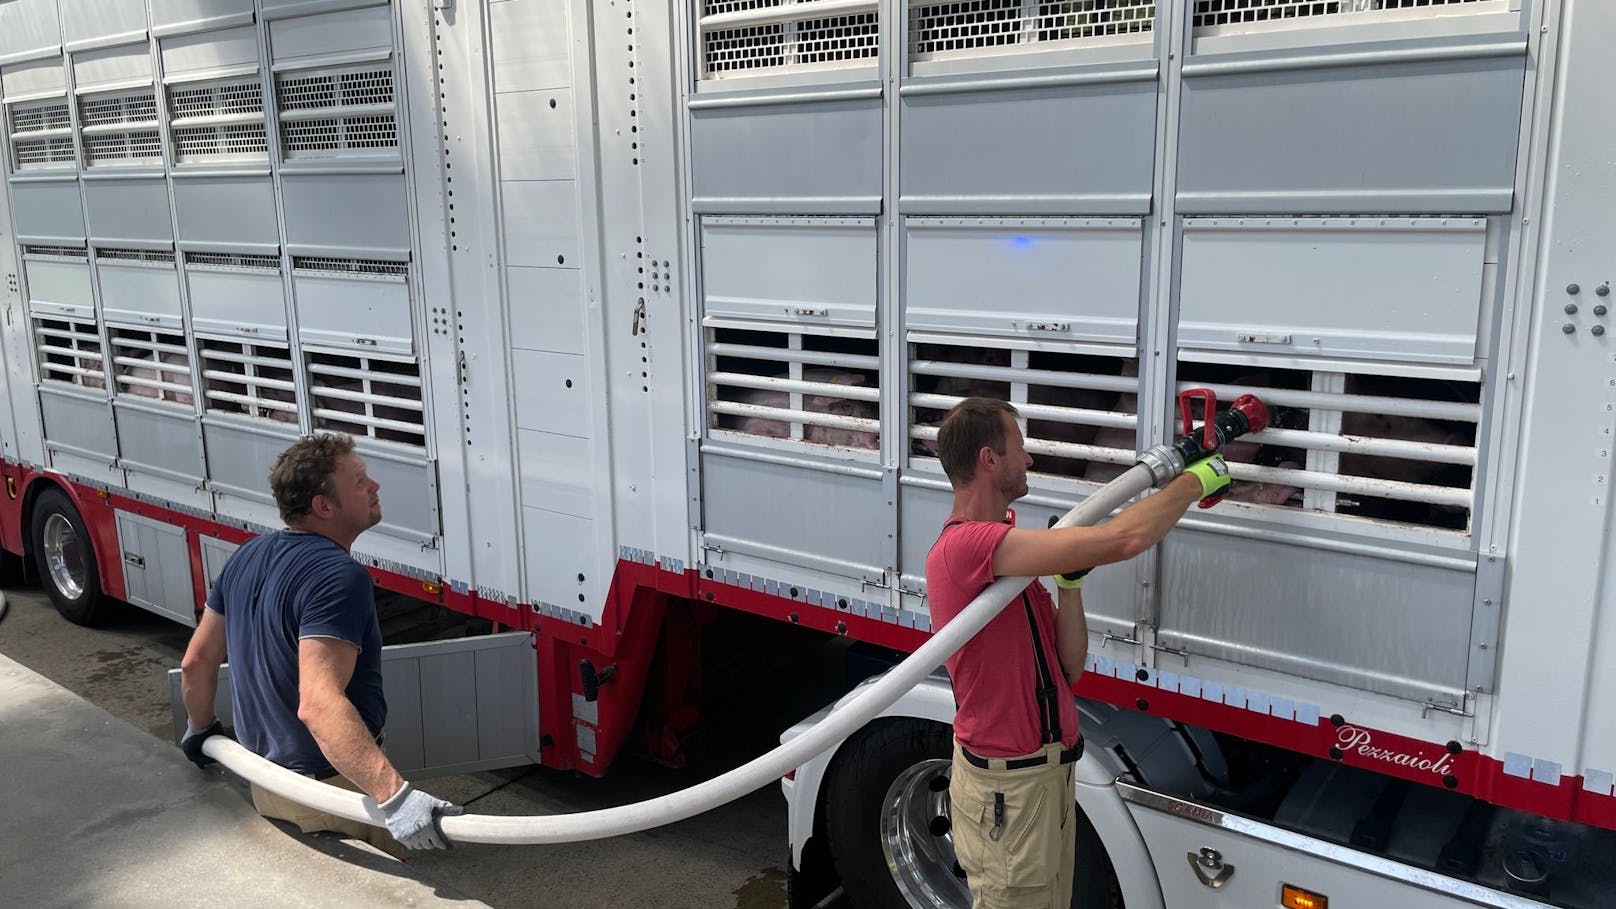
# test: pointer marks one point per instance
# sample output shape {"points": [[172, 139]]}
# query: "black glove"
{"points": [[191, 744]]}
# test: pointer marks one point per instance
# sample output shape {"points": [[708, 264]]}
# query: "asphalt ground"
{"points": [[733, 856]]}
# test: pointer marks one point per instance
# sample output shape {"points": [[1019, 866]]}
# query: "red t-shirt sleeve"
{"points": [[969, 553]]}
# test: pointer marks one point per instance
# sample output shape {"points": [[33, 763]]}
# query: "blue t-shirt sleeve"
{"points": [[217, 596], [338, 606]]}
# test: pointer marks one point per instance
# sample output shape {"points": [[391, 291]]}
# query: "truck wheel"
{"points": [[886, 817], [888, 826], [66, 560]]}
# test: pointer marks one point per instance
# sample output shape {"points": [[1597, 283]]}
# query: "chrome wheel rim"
{"points": [[64, 557], [917, 840]]}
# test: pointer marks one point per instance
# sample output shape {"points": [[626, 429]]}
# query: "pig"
{"points": [[177, 376], [813, 403]]}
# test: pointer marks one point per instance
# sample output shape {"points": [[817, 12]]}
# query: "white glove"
{"points": [[412, 818]]}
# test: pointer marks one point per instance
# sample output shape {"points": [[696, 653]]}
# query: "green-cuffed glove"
{"points": [[1214, 476]]}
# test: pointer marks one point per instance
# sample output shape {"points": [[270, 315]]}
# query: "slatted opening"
{"points": [[330, 266], [233, 261], [151, 365], [1079, 409], [120, 127], [70, 352], [41, 134], [941, 31], [155, 256], [749, 37], [368, 396], [339, 112], [217, 120], [1238, 16], [62, 253], [792, 385], [253, 380], [1386, 448]]}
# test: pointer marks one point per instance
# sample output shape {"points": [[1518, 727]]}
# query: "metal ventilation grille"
{"points": [[218, 99], [41, 134], [334, 113], [217, 120], [254, 380], [1234, 16], [135, 255], [69, 352], [748, 37], [351, 268], [201, 143], [119, 109], [40, 116], [232, 261], [1387, 448], [42, 152], [140, 145], [120, 127], [794, 386], [1080, 410], [151, 365], [69, 253], [963, 29], [368, 396]]}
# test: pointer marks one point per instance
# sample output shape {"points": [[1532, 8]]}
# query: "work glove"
{"points": [[191, 742], [1214, 476], [412, 818]]}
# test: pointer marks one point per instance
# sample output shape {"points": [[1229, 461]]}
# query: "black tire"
{"points": [[856, 787], [65, 557]]}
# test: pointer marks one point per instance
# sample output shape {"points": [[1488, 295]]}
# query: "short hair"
{"points": [[303, 471], [972, 424]]}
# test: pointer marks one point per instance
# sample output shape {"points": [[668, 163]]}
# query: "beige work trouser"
{"points": [[310, 820], [1026, 861]]}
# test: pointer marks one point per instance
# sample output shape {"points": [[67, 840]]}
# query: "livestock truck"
{"points": [[644, 315]]}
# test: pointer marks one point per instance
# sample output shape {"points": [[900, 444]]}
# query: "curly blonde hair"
{"points": [[303, 471]]}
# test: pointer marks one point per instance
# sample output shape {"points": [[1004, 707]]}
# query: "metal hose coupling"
{"points": [[1164, 463]]}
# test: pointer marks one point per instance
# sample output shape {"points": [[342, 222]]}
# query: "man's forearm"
{"points": [[199, 687], [1071, 634], [351, 749], [1148, 520]]}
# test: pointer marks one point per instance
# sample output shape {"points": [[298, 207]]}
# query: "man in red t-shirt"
{"points": [[1015, 730]]}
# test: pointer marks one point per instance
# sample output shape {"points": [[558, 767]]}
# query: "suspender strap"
{"points": [[1046, 690], [1048, 707]]}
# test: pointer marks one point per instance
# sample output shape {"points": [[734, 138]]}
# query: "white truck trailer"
{"points": [[644, 315]]}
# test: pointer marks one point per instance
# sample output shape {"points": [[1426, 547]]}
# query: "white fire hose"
{"points": [[686, 803]]}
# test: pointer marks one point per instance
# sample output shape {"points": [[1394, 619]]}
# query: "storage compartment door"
{"points": [[1069, 278], [156, 567], [452, 706]]}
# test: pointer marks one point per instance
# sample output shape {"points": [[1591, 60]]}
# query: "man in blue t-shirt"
{"points": [[295, 615]]}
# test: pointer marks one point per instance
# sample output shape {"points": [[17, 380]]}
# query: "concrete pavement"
{"points": [[99, 813]]}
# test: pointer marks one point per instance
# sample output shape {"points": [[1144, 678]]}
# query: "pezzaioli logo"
{"points": [[1362, 743]]}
